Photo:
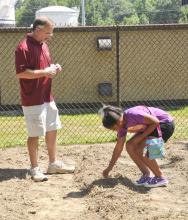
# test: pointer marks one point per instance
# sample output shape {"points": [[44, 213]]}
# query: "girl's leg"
{"points": [[137, 158], [167, 131], [151, 164]]}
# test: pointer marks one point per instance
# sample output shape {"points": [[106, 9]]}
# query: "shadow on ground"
{"points": [[181, 143], [108, 183], [7, 174], [172, 161]]}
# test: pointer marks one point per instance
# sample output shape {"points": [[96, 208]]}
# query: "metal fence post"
{"points": [[117, 65]]}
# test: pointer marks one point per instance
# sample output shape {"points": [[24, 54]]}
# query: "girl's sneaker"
{"points": [[142, 180], [156, 182]]}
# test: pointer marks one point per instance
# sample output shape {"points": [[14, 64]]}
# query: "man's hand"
{"points": [[50, 71], [53, 69], [106, 172], [58, 68]]}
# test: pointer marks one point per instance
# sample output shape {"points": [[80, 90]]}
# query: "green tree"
{"points": [[166, 11], [144, 8], [110, 12], [122, 9], [183, 15], [143, 19], [25, 10], [26, 13], [132, 20]]}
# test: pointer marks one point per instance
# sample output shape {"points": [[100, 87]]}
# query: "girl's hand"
{"points": [[106, 172], [116, 153]]}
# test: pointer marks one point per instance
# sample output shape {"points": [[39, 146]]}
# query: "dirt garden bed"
{"points": [[85, 195]]}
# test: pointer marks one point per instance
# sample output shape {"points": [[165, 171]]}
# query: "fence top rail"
{"points": [[103, 28], [153, 27], [62, 29]]}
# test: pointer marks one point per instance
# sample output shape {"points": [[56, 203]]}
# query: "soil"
{"points": [[86, 195]]}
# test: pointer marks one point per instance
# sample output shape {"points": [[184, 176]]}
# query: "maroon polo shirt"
{"points": [[31, 54]]}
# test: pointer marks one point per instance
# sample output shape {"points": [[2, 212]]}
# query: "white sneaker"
{"points": [[37, 175], [60, 167]]}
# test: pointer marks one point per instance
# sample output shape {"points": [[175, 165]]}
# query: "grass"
{"points": [[181, 122], [84, 129], [78, 129]]}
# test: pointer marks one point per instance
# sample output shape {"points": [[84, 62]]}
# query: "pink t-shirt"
{"points": [[135, 117]]}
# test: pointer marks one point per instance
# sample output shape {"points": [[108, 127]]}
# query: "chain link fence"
{"points": [[120, 65]]}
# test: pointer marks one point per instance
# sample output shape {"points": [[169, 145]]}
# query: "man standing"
{"points": [[35, 72]]}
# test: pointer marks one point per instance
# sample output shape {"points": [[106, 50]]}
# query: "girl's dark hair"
{"points": [[111, 115]]}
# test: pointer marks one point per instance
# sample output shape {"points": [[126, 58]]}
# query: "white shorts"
{"points": [[41, 119]]}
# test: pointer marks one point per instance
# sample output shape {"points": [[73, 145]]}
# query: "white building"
{"points": [[7, 13], [60, 15]]}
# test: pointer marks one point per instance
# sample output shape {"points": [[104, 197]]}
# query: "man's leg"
{"points": [[35, 117], [36, 173], [51, 145], [32, 144], [52, 124], [54, 165]]}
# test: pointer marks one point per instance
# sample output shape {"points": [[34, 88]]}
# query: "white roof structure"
{"points": [[60, 15], [7, 12]]}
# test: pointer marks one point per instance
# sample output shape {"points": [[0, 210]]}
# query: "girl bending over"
{"points": [[144, 122]]}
